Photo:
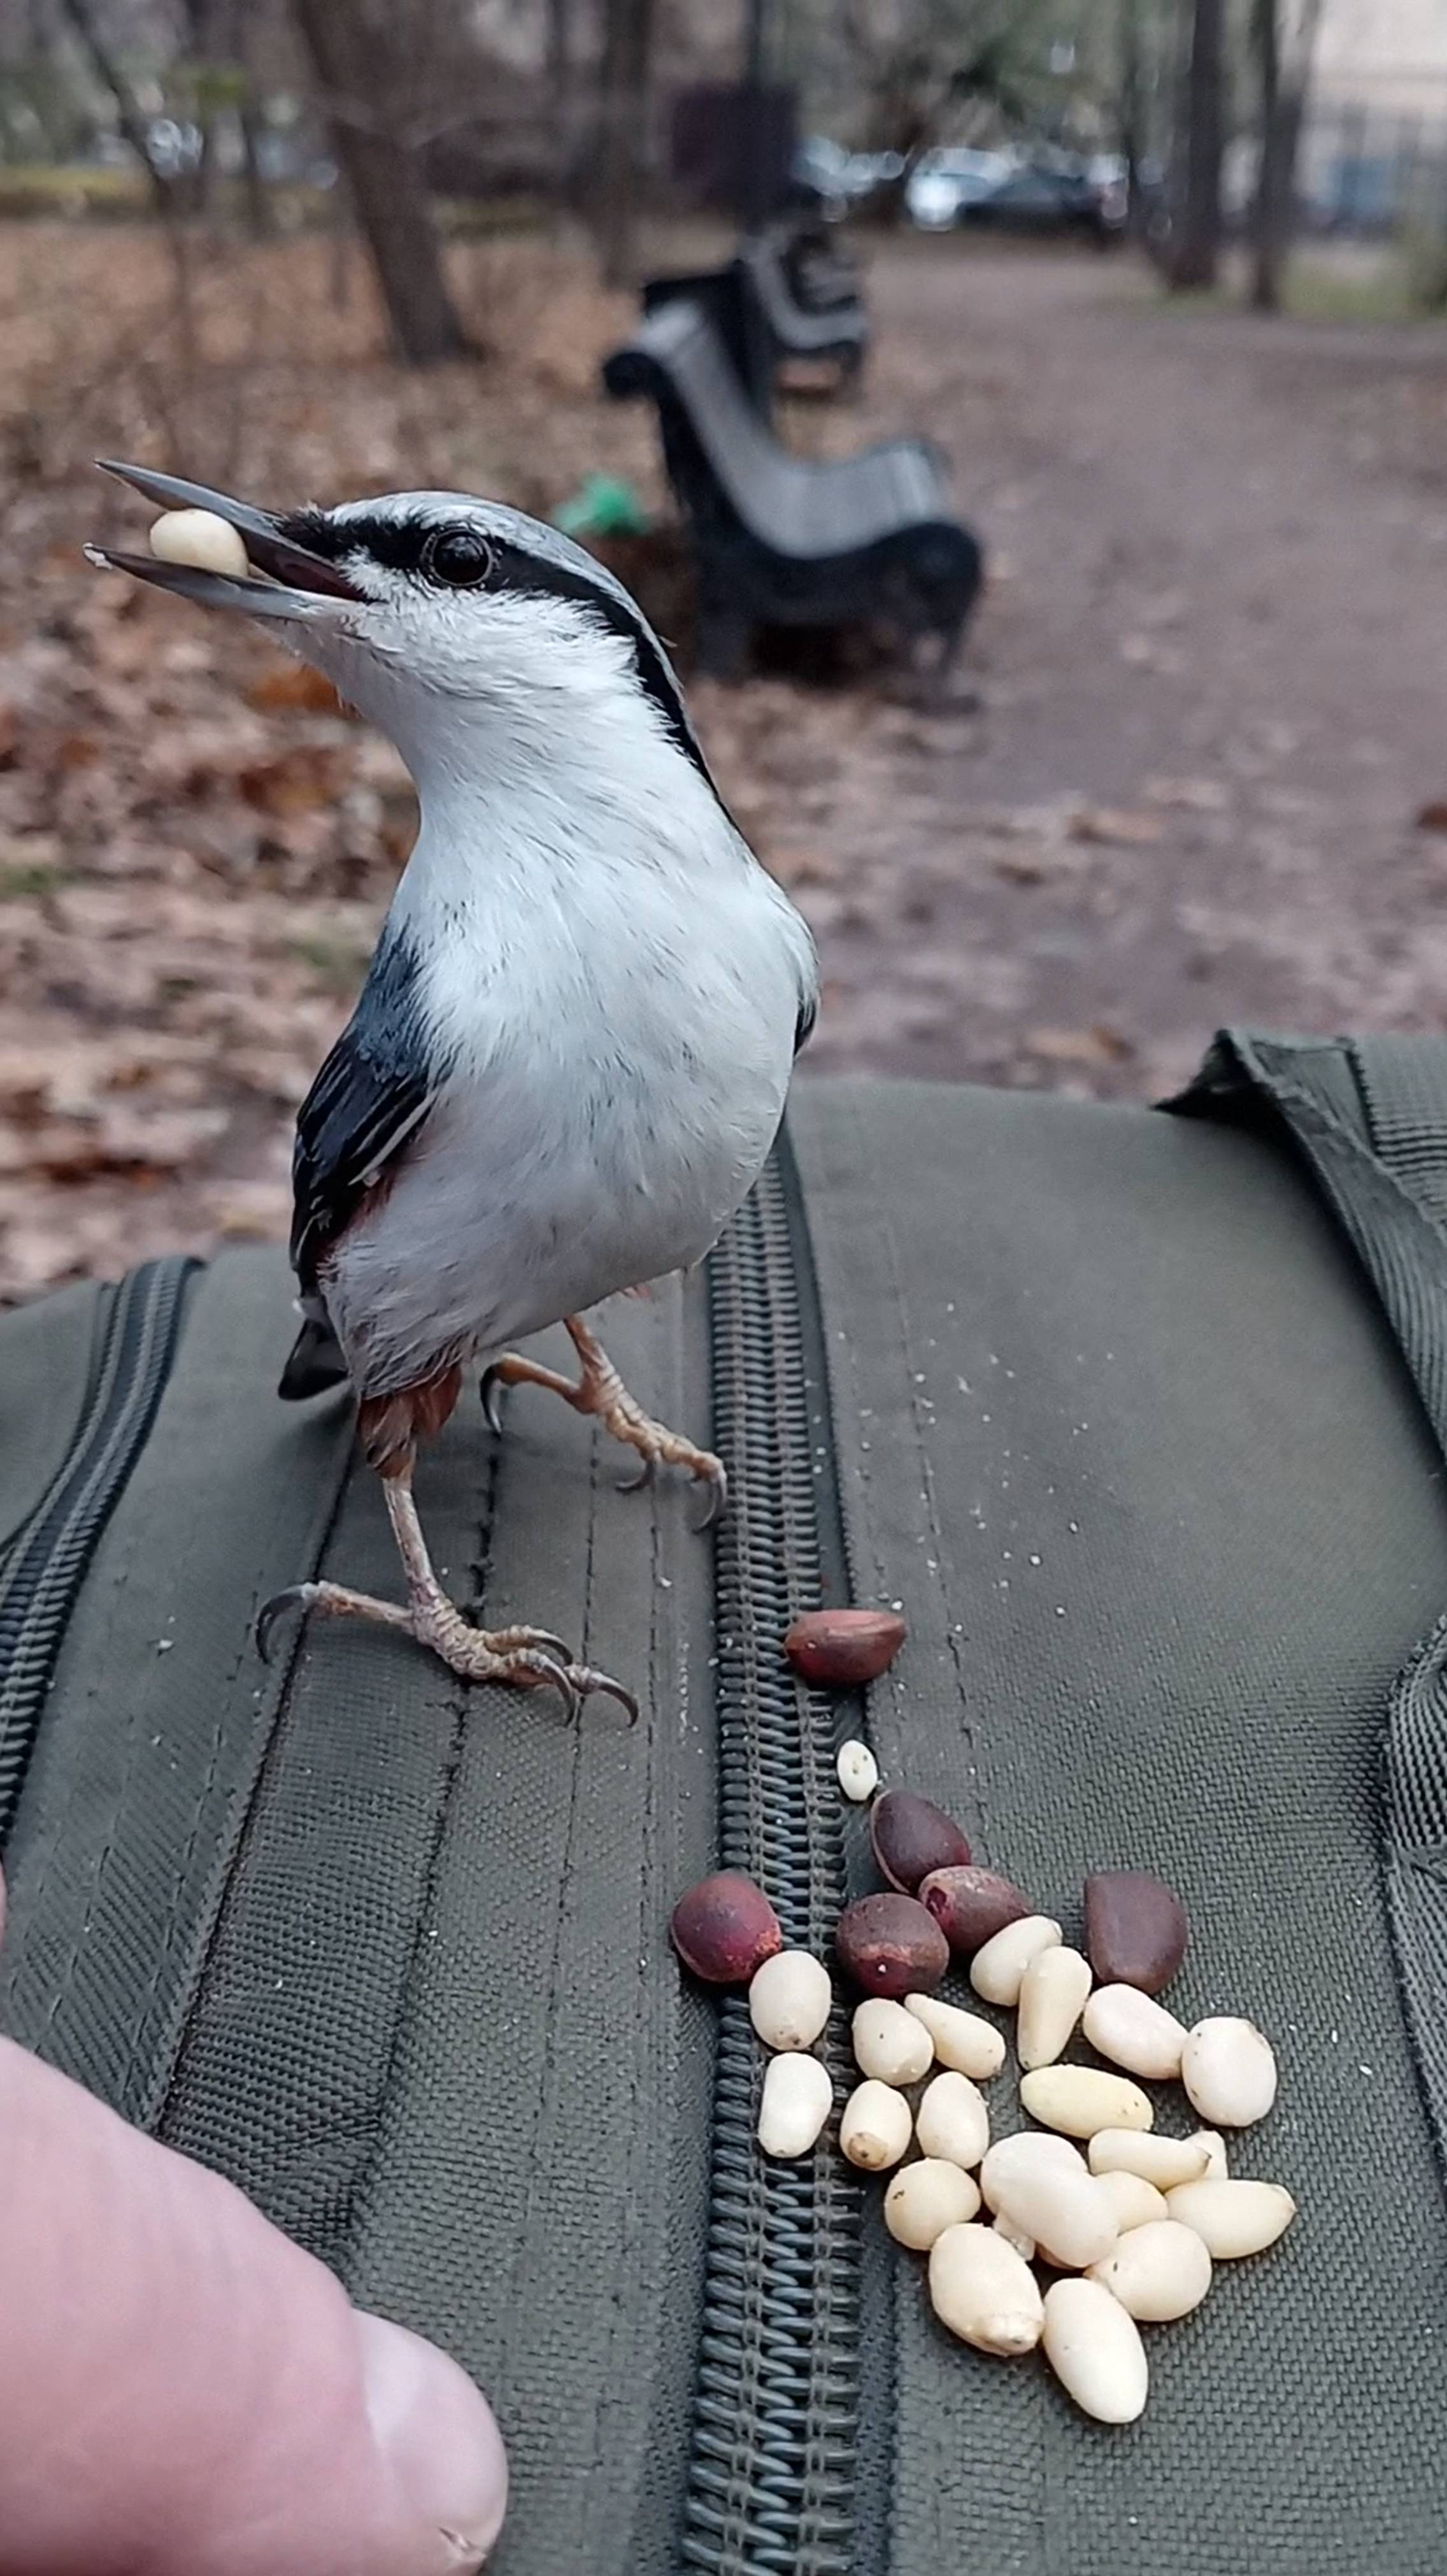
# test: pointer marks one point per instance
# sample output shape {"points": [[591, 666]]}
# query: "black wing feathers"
{"points": [[372, 1093]]}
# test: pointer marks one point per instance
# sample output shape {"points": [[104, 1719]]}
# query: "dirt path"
{"points": [[1213, 670]]}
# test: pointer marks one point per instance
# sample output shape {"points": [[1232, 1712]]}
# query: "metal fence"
{"points": [[1368, 172]]}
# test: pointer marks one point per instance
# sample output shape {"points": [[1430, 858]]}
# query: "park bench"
{"points": [[799, 320], [776, 302], [822, 274], [786, 540]]}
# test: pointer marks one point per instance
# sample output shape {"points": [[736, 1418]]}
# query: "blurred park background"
{"points": [[1165, 280]]}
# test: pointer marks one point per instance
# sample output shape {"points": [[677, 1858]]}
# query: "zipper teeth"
{"points": [[772, 2467], [47, 1561]]}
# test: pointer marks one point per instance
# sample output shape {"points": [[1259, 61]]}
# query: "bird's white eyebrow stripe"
{"points": [[398, 543]]}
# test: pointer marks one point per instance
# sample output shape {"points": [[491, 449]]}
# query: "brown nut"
{"points": [[911, 1839], [888, 1945], [725, 1928], [839, 1649], [971, 1906], [1135, 1929]]}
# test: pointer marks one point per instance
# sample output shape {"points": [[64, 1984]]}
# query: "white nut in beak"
{"points": [[200, 539]]}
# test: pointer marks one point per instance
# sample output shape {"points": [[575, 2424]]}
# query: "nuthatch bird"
{"points": [[570, 1056]]}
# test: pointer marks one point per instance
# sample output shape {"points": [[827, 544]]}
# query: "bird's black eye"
{"points": [[457, 556]]}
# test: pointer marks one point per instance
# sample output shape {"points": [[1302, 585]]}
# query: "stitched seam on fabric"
{"points": [[929, 1494], [1316, 1115], [270, 1721], [1351, 1054], [65, 1981], [558, 1965], [479, 1563]]}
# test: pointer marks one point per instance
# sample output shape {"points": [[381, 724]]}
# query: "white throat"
{"points": [[539, 765]]}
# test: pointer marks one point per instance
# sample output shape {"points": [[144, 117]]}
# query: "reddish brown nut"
{"points": [[888, 1945], [971, 1906], [725, 1928], [1135, 1929], [911, 1838], [839, 1649]]}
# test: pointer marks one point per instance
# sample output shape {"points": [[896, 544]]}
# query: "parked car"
{"points": [[837, 181], [1044, 198], [945, 181]]}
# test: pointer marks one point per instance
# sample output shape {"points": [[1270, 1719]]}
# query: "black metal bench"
{"points": [[783, 540], [760, 315], [822, 273], [837, 330]]}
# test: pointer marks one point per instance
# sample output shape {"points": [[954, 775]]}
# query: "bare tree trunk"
{"points": [[129, 117], [1268, 212], [623, 114], [559, 61], [358, 75], [132, 123], [253, 177], [1282, 91], [1130, 104], [1196, 245]]}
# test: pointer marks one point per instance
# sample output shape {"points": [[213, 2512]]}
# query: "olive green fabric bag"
{"points": [[1140, 1419]]}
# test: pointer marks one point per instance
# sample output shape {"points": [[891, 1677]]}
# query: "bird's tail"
{"points": [[316, 1363]]}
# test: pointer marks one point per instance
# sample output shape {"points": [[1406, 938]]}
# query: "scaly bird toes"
{"points": [[332, 1597], [659, 1447], [515, 1658], [601, 1392], [519, 1658]]}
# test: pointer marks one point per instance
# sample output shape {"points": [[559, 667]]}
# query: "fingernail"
{"points": [[439, 2439]]}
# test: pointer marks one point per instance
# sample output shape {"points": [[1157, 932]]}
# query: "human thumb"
{"points": [[183, 2392]]}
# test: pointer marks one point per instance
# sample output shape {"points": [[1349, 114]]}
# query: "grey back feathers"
{"points": [[373, 1091]]}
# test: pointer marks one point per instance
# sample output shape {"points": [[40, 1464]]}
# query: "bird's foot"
{"points": [[601, 1391], [523, 1658]]}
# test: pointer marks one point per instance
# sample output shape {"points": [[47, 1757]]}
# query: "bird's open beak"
{"points": [[293, 582]]}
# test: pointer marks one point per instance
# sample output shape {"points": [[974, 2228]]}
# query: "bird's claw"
{"points": [[490, 1392], [710, 1473], [590, 1684], [575, 1682], [507, 1641], [529, 1658], [297, 1596]]}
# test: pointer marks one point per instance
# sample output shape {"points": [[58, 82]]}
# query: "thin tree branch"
{"points": [[129, 116]]}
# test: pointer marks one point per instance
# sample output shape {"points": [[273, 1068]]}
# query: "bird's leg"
{"points": [[526, 1658], [601, 1390]]}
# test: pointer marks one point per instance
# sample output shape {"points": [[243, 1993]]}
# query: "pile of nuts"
{"points": [[1129, 2220]]}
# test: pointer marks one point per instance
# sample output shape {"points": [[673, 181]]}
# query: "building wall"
{"points": [[1386, 55]]}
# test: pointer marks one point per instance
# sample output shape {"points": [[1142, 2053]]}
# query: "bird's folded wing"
{"points": [[369, 1100]]}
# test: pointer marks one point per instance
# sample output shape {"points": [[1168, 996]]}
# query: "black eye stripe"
{"points": [[401, 545]]}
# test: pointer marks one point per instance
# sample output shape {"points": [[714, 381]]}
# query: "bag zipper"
{"points": [[49, 1557], [773, 2476]]}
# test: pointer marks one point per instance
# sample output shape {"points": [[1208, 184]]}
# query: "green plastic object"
{"points": [[604, 505]]}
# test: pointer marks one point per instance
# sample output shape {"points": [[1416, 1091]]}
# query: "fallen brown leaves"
{"points": [[197, 842]]}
